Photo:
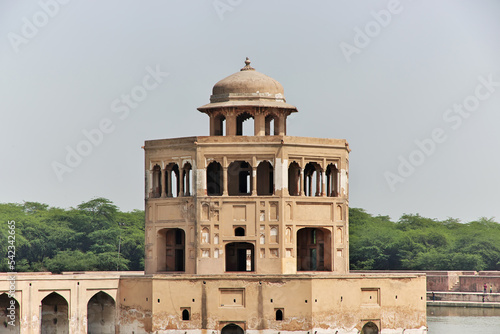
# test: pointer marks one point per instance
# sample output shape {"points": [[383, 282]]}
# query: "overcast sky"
{"points": [[414, 86]]}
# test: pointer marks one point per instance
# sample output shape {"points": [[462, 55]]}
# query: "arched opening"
{"points": [[239, 178], [54, 314], [218, 125], [332, 174], [272, 125], [101, 314], [244, 128], [232, 329], [294, 179], [171, 249], [214, 179], [187, 179], [156, 181], [313, 249], [265, 177], [279, 315], [239, 232], [9, 306], [185, 314], [369, 328], [239, 256], [312, 179], [172, 182]]}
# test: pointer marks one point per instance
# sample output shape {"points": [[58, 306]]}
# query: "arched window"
{"points": [[218, 125], [232, 329], [172, 182], [294, 179], [272, 125], [55, 314], [185, 314], [242, 128], [239, 256], [265, 178], [171, 249], [332, 175], [156, 181], [312, 179], [239, 178], [214, 179], [186, 179], [101, 313], [5, 302], [239, 232], [369, 328], [313, 249], [279, 315]]}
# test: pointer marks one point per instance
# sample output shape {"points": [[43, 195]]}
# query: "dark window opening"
{"points": [[239, 232], [369, 328], [241, 129], [214, 179], [156, 181], [185, 315], [279, 315], [219, 122], [294, 179], [332, 175], [312, 179], [239, 177], [239, 256], [187, 176], [265, 178], [171, 250], [313, 250], [272, 125]]}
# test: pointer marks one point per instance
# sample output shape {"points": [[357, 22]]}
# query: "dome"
{"points": [[248, 81], [247, 88]]}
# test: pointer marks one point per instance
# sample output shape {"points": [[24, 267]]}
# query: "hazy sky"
{"points": [[414, 86]]}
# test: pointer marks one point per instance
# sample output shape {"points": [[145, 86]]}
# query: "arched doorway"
{"points": [[55, 314], [171, 249], [7, 324], [239, 256], [313, 249], [101, 314], [369, 328], [232, 329]]}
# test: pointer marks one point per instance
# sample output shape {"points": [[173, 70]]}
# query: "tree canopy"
{"points": [[76, 239], [87, 238], [418, 243]]}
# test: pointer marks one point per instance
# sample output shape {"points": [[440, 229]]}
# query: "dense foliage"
{"points": [[87, 238], [81, 238], [418, 243]]}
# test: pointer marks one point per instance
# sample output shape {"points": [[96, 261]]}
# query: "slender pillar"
{"points": [[163, 186], [259, 124], [188, 182], [253, 174], [224, 181], [180, 182], [230, 124], [318, 182]]}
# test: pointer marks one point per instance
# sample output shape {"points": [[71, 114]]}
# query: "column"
{"points": [[163, 186], [181, 182], [224, 181], [301, 182]]}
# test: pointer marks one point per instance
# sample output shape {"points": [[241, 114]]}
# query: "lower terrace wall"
{"points": [[138, 304]]}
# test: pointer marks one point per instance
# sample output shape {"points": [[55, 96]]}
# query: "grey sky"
{"points": [[394, 90]]}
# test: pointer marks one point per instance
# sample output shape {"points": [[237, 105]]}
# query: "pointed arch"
{"points": [[101, 309], [294, 182], [265, 179], [5, 310], [214, 179], [54, 314]]}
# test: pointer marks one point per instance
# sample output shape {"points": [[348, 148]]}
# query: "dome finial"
{"points": [[247, 66]]}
